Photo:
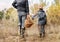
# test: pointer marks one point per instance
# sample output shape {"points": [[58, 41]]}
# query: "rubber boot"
{"points": [[23, 31], [43, 34], [40, 35], [20, 30]]}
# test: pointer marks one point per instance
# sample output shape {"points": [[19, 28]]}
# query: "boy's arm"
{"points": [[34, 16], [45, 17]]}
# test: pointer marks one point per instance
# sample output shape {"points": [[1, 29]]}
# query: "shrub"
{"points": [[7, 16], [54, 14], [1, 15]]}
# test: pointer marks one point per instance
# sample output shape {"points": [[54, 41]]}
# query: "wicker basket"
{"points": [[28, 22]]}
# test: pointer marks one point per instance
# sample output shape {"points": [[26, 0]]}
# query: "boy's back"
{"points": [[41, 17]]}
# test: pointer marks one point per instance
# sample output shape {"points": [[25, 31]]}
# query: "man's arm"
{"points": [[27, 7], [14, 4]]}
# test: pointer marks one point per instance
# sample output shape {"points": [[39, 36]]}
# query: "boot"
{"points": [[20, 30], [40, 35], [23, 31], [43, 34]]}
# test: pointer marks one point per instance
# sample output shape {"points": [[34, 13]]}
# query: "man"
{"points": [[42, 19], [23, 10]]}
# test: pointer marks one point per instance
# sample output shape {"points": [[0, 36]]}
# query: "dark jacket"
{"points": [[42, 19], [21, 5]]}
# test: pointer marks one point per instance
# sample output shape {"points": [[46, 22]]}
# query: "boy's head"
{"points": [[40, 7]]}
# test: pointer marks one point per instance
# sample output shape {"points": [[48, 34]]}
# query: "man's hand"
{"points": [[30, 15]]}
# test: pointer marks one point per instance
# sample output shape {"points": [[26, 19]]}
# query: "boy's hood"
{"points": [[41, 10]]}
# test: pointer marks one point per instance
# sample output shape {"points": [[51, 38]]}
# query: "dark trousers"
{"points": [[42, 30], [22, 27], [22, 18]]}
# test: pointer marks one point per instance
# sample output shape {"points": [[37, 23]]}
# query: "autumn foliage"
{"points": [[53, 14]]}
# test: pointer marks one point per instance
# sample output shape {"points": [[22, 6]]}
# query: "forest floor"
{"points": [[9, 32]]}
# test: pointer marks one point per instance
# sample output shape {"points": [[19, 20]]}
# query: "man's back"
{"points": [[19, 1], [21, 5]]}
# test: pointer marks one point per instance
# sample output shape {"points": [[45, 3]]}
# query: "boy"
{"points": [[42, 19]]}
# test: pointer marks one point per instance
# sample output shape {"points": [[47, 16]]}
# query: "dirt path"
{"points": [[10, 33]]}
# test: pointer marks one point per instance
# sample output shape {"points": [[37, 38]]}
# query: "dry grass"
{"points": [[9, 32]]}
